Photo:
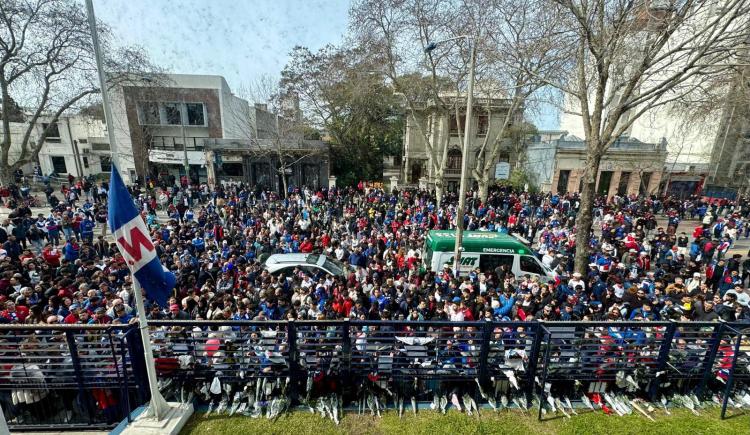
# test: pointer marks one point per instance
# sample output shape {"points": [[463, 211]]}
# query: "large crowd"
{"points": [[62, 267]]}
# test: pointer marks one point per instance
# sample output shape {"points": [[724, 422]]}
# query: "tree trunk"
{"points": [[284, 182], [483, 183], [439, 190], [585, 217], [6, 175]]}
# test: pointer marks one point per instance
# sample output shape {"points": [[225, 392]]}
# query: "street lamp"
{"points": [[465, 152]]}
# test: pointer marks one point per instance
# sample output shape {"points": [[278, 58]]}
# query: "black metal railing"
{"points": [[71, 376]]}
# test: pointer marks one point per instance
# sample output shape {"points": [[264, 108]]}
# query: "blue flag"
{"points": [[134, 243]]}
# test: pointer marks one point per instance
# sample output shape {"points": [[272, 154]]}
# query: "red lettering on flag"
{"points": [[137, 239]]}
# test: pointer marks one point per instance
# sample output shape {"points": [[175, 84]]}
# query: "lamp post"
{"points": [[183, 108], [465, 152]]}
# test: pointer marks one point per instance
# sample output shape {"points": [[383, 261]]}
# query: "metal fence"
{"points": [[75, 376], [69, 376]]}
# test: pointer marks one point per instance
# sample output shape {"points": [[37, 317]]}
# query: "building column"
{"points": [[575, 180], [614, 183], [634, 183], [553, 183], [653, 184]]}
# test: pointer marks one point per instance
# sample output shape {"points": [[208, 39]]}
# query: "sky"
{"points": [[241, 40], [238, 39]]}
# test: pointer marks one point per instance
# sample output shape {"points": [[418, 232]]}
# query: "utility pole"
{"points": [[464, 153], [183, 107]]}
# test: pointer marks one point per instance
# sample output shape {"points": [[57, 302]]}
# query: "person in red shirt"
{"points": [[13, 314], [51, 255], [306, 246]]}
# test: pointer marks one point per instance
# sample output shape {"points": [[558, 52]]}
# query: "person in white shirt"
{"points": [[548, 258], [454, 311], [576, 281]]}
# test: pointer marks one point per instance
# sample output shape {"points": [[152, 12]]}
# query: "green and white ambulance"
{"points": [[485, 250]]}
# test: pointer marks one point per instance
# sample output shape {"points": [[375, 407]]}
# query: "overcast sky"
{"points": [[237, 39]]}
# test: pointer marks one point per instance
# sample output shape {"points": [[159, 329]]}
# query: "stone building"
{"points": [[556, 162], [443, 129]]}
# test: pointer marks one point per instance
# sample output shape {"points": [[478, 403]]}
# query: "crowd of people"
{"points": [[62, 267]]}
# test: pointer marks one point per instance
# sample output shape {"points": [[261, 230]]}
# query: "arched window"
{"points": [[454, 159]]}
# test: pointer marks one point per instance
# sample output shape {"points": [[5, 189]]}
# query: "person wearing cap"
{"points": [[175, 313], [100, 317]]}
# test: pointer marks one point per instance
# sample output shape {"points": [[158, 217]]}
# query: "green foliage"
{"points": [[342, 92], [519, 178]]}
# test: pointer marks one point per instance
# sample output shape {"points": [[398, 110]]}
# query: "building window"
{"points": [[562, 182], [106, 163], [149, 113], [262, 175], [83, 141], [99, 146], [454, 124], [454, 160], [53, 132], [311, 175], [86, 162], [483, 125], [622, 186], [416, 171], [173, 113], [195, 114], [58, 165], [232, 169]]}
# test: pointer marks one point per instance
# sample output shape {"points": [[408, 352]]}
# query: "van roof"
{"points": [[476, 241]]}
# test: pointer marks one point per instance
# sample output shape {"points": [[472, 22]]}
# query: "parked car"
{"points": [[279, 263]]}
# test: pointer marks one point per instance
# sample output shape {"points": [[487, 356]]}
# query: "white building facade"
{"points": [[164, 122]]}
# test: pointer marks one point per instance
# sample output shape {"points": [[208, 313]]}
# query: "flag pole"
{"points": [[158, 407], [3, 423], [108, 118]]}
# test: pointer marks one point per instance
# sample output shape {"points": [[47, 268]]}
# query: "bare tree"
{"points": [[519, 51], [523, 50], [399, 32], [634, 56], [47, 65], [273, 128]]}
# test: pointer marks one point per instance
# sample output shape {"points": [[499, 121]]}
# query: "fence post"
{"points": [[122, 377], [78, 370], [346, 346], [534, 360], [484, 351], [730, 378], [710, 356], [126, 383], [545, 369], [291, 336], [666, 346], [138, 364]]}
